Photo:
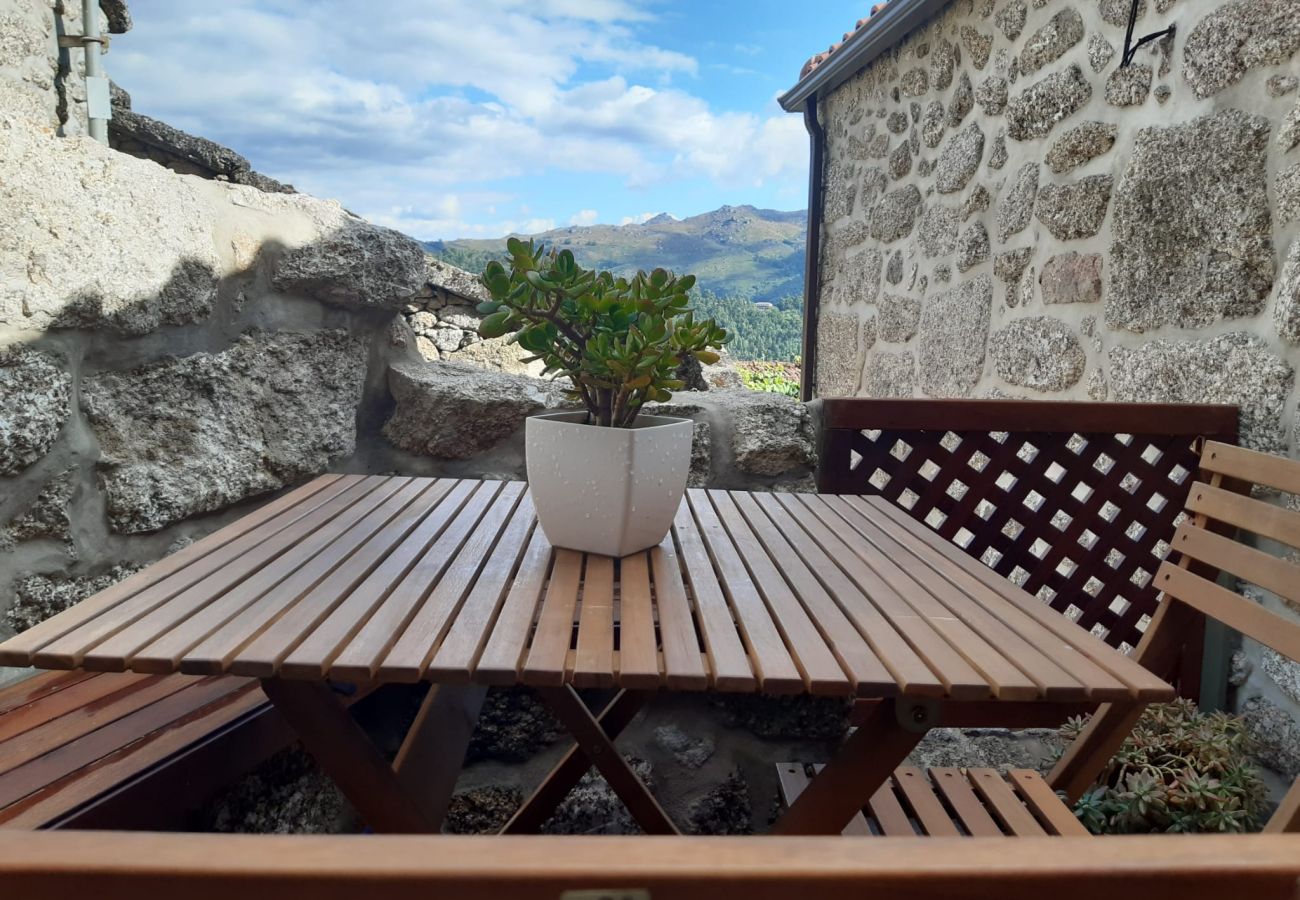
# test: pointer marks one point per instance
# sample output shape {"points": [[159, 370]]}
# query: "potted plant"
{"points": [[607, 479]]}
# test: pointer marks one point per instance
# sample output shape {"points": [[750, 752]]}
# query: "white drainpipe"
{"points": [[98, 108]]}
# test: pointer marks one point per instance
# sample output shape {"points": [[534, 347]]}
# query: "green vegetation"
{"points": [[769, 377], [756, 333], [1180, 770], [619, 341]]}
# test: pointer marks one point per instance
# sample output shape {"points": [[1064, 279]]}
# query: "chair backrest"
{"points": [[1215, 511]]}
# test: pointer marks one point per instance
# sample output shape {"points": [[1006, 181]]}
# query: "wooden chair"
{"points": [[978, 802]]}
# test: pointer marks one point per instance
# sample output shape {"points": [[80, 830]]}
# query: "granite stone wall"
{"points": [[1009, 212]]}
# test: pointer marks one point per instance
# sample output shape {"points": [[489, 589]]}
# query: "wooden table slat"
{"points": [[684, 667], [547, 662], [773, 664], [17, 650], [367, 634], [593, 665], [190, 616], [224, 568], [502, 659], [638, 656]]}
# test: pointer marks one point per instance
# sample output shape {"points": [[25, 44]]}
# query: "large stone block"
{"points": [[960, 160], [889, 375], [452, 411], [99, 239], [1080, 145], [1075, 210], [937, 233], [1286, 311], [1192, 235], [1017, 207], [1276, 734], [1050, 42], [839, 354], [34, 391], [1035, 111], [193, 435], [1072, 278], [895, 215], [954, 332], [1237, 37], [354, 264], [770, 434], [1236, 368], [1039, 352]]}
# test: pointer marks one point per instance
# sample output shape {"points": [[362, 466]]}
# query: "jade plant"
{"points": [[1179, 770], [619, 341]]}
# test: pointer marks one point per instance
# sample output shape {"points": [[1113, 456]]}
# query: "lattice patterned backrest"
{"points": [[1075, 502]]}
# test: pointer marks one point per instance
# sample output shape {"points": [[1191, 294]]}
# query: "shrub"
{"points": [[1180, 770], [769, 377], [618, 340]]}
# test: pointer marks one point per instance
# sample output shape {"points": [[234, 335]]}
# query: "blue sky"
{"points": [[453, 119]]}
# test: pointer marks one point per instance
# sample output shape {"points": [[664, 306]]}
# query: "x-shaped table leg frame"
{"points": [[411, 795], [594, 737]]}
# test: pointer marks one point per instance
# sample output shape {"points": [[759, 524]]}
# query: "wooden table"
{"points": [[377, 579]]}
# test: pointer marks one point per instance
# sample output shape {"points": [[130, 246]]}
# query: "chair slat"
{"points": [[1051, 811], [1231, 609], [85, 693], [1286, 819], [1004, 803], [1255, 516], [888, 812], [951, 783], [1251, 465], [929, 812], [1233, 557]]}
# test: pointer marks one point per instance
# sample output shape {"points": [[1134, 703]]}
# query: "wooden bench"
{"points": [[122, 750], [980, 802]]}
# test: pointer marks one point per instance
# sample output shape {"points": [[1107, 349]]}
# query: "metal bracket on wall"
{"points": [[1130, 48], [78, 41]]}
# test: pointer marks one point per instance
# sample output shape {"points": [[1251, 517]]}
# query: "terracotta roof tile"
{"points": [[819, 58]]}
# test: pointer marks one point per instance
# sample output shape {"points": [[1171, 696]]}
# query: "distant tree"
{"points": [[763, 334]]}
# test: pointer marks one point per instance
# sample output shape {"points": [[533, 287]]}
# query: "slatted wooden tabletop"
{"points": [[395, 579]]}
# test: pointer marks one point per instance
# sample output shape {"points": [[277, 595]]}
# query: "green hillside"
{"points": [[735, 251]]}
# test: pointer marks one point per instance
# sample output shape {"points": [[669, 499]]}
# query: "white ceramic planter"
{"points": [[607, 490]]}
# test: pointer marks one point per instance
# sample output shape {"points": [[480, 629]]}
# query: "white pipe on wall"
{"points": [[98, 107]]}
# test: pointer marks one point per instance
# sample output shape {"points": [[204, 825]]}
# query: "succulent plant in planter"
{"points": [[609, 479]]}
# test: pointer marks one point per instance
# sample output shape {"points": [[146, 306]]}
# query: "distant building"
{"points": [[763, 304]]}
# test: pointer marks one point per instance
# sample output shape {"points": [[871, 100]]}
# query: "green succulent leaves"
{"points": [[619, 341]]}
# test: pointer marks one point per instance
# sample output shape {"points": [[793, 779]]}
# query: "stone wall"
{"points": [[1010, 213]]}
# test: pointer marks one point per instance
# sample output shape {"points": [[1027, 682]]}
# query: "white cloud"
{"points": [[413, 119], [584, 217]]}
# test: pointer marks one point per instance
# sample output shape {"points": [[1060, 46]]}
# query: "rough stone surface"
{"points": [[889, 375], [914, 83], [1035, 111], [771, 434], [1017, 207], [1050, 42], [1081, 144], [943, 63], [1276, 735], [991, 95], [896, 122], [1040, 353], [199, 433], [34, 392], [900, 161], [287, 794], [1075, 210], [963, 101], [156, 265], [839, 354], [1281, 85], [37, 597], [1192, 239], [1099, 52], [1010, 265], [453, 411], [799, 716], [1071, 278], [978, 44], [973, 246], [959, 160], [357, 265], [513, 726], [977, 201], [1129, 86], [1237, 368], [1288, 194], [1010, 19], [1286, 312], [953, 333], [47, 516], [592, 807], [998, 155], [937, 231], [994, 748], [895, 215], [482, 810], [894, 270], [689, 751], [1285, 672], [933, 124], [1238, 37], [726, 809], [898, 318]]}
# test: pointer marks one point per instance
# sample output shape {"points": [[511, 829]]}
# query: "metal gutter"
{"points": [[885, 29], [812, 250]]}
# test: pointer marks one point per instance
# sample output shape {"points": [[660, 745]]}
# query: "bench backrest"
{"points": [[1216, 510], [1075, 502]]}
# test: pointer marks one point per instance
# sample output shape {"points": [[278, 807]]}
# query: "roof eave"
{"points": [[885, 29]]}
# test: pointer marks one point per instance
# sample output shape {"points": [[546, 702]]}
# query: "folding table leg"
{"points": [[346, 753], [433, 751], [562, 779], [595, 741], [862, 764]]}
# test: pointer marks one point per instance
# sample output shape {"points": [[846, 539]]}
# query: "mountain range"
{"points": [[734, 251]]}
